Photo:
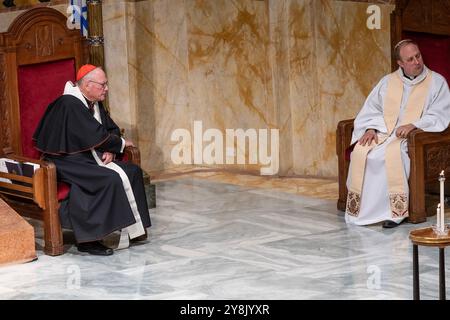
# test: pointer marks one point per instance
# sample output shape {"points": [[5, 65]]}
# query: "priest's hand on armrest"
{"points": [[403, 131], [368, 137]]}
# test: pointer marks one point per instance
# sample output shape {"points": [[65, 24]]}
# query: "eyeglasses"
{"points": [[103, 84]]}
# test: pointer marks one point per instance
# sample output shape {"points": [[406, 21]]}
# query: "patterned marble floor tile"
{"points": [[216, 240]]}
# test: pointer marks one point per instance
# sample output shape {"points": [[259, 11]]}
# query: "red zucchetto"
{"points": [[84, 70]]}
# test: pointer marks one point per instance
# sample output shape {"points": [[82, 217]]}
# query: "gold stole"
{"points": [[394, 166]]}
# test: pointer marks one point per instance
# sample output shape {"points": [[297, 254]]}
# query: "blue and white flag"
{"points": [[78, 16]]}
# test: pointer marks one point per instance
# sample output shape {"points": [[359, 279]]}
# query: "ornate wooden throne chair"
{"points": [[428, 23], [38, 54], [429, 154]]}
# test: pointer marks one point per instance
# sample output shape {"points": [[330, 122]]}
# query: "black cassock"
{"points": [[97, 203]]}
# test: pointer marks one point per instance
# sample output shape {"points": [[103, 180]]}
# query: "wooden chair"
{"points": [[38, 54], [429, 154]]}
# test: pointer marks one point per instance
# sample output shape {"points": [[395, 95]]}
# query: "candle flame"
{"points": [[439, 205], [442, 172]]}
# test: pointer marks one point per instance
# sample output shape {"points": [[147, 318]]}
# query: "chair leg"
{"points": [[341, 204], [342, 182], [417, 212], [53, 250], [52, 233], [417, 217]]}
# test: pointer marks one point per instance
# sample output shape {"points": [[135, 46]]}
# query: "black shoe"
{"points": [[391, 224], [96, 248]]}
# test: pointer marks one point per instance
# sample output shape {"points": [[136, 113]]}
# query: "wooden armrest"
{"points": [[346, 124], [426, 157], [133, 154], [343, 135], [44, 179], [420, 137]]}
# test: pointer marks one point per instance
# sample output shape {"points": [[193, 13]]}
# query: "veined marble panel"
{"points": [[334, 65], [161, 68], [122, 94], [296, 65], [230, 82], [280, 66], [303, 81]]}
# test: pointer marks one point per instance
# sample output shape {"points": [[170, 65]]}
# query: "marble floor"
{"points": [[216, 240]]}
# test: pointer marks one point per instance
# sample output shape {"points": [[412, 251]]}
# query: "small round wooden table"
{"points": [[427, 237]]}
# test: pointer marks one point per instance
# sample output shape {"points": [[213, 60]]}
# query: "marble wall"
{"points": [[296, 65], [299, 66], [334, 62], [119, 56]]}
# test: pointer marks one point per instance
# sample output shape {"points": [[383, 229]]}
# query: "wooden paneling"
{"points": [[425, 16], [430, 16], [37, 36]]}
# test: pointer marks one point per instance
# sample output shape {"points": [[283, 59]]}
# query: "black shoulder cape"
{"points": [[68, 127]]}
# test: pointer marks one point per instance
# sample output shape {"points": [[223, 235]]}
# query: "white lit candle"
{"points": [[439, 219], [442, 206]]}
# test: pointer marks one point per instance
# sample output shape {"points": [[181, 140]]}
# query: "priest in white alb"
{"points": [[409, 98]]}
